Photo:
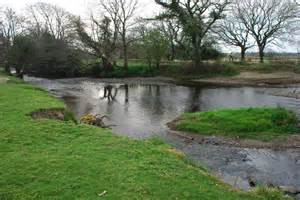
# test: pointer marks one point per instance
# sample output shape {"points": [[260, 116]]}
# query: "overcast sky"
{"points": [[82, 7], [79, 7]]}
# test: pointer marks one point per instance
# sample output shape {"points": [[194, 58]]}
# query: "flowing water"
{"points": [[141, 108]]}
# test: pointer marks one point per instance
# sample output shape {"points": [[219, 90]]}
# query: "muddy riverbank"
{"points": [[290, 142], [252, 79]]}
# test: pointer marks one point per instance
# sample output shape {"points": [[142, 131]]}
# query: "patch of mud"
{"points": [[253, 79], [53, 113], [291, 142]]}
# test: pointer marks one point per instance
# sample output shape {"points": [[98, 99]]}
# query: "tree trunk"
{"points": [[172, 52], [19, 72], [125, 57], [261, 54], [243, 53], [107, 65], [125, 47], [197, 57], [196, 52]]}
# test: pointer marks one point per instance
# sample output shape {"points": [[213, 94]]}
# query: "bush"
{"points": [[208, 68], [55, 58], [21, 54]]}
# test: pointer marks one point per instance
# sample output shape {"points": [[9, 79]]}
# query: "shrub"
{"points": [[208, 68]]}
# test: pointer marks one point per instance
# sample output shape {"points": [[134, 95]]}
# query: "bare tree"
{"points": [[173, 31], [197, 18], [121, 12], [267, 20], [44, 17], [11, 25], [101, 42], [232, 32]]}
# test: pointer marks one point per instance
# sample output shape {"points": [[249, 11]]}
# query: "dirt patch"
{"points": [[54, 113], [253, 79], [291, 142], [3, 80]]}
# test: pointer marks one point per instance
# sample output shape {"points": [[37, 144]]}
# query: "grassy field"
{"points": [[255, 123], [47, 159]]}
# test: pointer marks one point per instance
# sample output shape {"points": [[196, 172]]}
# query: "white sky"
{"points": [[81, 7], [78, 7]]}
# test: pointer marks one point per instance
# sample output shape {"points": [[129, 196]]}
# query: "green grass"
{"points": [[267, 67], [177, 69], [254, 123], [47, 159]]}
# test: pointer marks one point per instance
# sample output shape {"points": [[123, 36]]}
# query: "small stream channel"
{"points": [[142, 107]]}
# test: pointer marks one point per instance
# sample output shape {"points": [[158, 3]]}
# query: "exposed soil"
{"points": [[291, 142], [3, 80], [253, 79], [54, 113]]}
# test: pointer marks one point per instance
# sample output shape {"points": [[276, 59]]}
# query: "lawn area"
{"points": [[254, 123], [47, 159]]}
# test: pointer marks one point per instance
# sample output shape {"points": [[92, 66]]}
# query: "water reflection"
{"points": [[110, 92]]}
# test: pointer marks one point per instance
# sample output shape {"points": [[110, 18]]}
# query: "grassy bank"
{"points": [[255, 123], [185, 69], [47, 159]]}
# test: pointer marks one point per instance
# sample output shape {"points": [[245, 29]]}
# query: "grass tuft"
{"points": [[271, 193], [254, 123]]}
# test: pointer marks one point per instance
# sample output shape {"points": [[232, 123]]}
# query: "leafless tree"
{"points": [[266, 20], [44, 17], [11, 25], [197, 17], [173, 31], [122, 13], [99, 40], [234, 33]]}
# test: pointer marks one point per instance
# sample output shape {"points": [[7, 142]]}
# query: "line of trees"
{"points": [[49, 41], [266, 21]]}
